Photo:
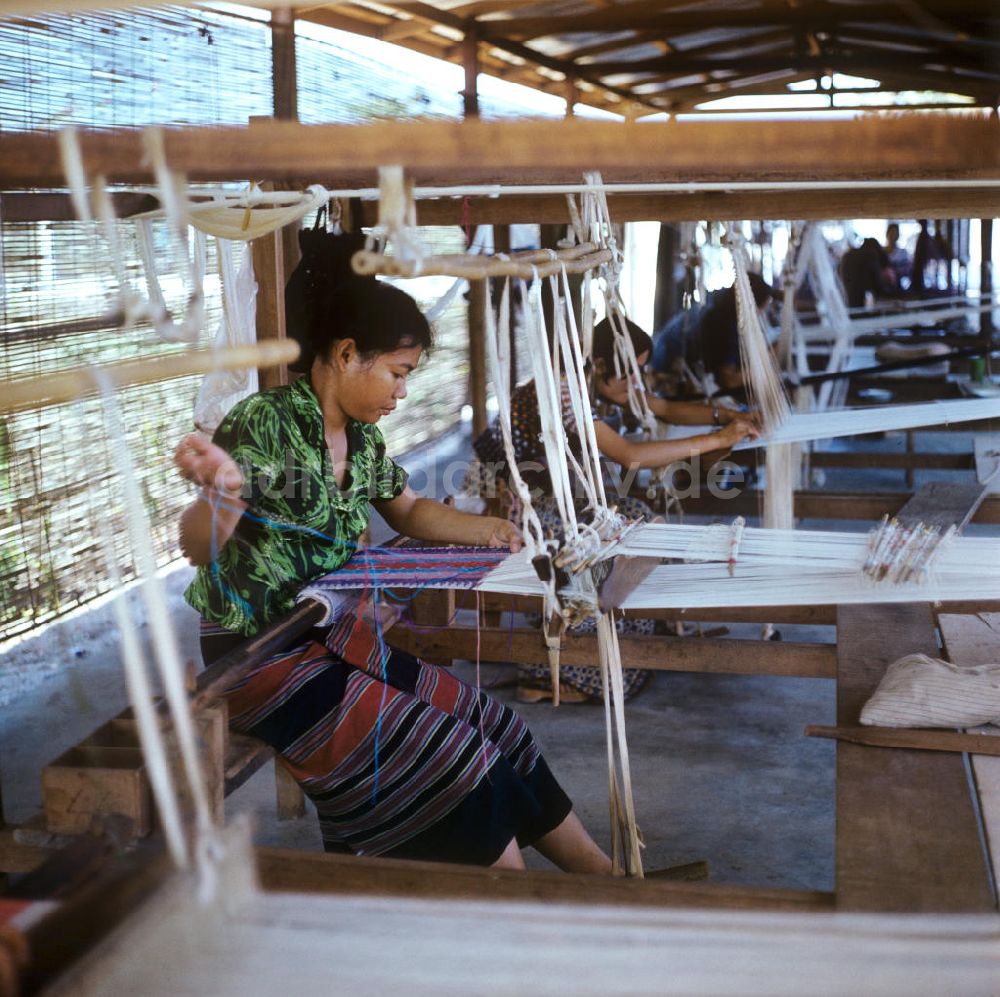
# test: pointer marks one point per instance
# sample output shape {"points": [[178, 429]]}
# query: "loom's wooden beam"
{"points": [[907, 834], [680, 654], [285, 870], [859, 202], [893, 461], [496, 602], [46, 206], [231, 667], [52, 389], [936, 147], [825, 505], [493, 602]]}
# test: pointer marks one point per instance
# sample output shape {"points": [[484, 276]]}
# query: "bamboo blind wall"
{"points": [[130, 68]]}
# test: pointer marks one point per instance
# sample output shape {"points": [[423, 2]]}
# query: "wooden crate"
{"points": [[94, 779]]}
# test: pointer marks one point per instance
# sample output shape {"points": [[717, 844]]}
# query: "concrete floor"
{"points": [[721, 769]]}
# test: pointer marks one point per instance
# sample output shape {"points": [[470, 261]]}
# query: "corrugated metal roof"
{"points": [[659, 55]]}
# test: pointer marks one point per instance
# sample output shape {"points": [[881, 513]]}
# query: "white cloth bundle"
{"points": [[920, 691]]}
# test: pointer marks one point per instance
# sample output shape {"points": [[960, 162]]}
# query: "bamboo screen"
{"points": [[130, 68]]}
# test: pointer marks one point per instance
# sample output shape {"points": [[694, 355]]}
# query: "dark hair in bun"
{"points": [[603, 347], [326, 301]]}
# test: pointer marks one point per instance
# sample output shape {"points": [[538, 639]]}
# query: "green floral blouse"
{"points": [[300, 524]]}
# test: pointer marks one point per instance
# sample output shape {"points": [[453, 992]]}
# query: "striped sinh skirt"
{"points": [[399, 756]]}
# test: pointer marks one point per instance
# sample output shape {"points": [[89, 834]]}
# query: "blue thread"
{"points": [[384, 654]]}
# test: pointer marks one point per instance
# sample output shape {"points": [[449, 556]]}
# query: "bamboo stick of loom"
{"points": [[64, 386], [912, 738], [474, 267]]}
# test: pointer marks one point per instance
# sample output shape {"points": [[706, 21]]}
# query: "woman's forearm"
{"points": [[691, 413], [210, 513], [660, 453], [439, 523]]}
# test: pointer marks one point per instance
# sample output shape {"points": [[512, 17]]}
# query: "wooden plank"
{"points": [[975, 640], [939, 147], [287, 870], [495, 602], [905, 737], [826, 505], [678, 654], [696, 205], [892, 461], [907, 832], [246, 756]]}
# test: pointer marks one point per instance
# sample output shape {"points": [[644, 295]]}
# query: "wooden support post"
{"points": [[291, 800], [470, 61], [986, 288], [285, 101], [572, 96], [477, 355], [665, 301], [276, 255], [283, 67], [501, 244], [433, 608], [269, 271]]}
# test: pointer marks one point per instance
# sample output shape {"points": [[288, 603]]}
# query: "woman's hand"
{"points": [[738, 429], [201, 461], [501, 533], [728, 415]]}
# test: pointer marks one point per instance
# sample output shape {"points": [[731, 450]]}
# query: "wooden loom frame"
{"points": [[283, 150]]}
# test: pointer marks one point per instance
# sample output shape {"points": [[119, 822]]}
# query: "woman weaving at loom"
{"points": [[487, 476], [399, 757]]}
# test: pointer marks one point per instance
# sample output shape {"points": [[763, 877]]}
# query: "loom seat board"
{"points": [[908, 835]]}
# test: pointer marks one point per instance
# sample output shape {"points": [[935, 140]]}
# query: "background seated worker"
{"points": [[707, 339], [866, 273], [488, 475], [399, 757]]}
